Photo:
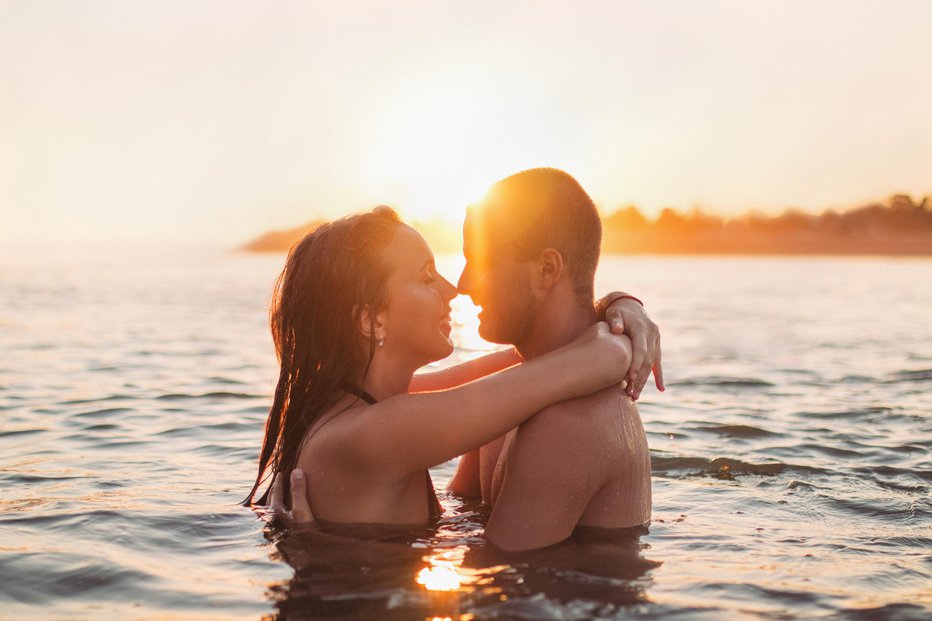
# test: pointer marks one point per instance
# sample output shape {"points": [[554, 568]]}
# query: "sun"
{"points": [[424, 182], [433, 156], [432, 148]]}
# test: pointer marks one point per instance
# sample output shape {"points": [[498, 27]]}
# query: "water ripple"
{"points": [[726, 467], [792, 456], [209, 395], [723, 382], [739, 431]]}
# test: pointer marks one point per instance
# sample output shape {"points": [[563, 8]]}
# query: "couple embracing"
{"points": [[548, 431]]}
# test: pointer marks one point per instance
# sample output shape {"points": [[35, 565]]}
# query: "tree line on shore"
{"points": [[900, 226]]}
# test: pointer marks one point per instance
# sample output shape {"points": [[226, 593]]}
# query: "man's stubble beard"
{"points": [[513, 320]]}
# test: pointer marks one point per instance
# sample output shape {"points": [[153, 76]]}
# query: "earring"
{"points": [[382, 341]]}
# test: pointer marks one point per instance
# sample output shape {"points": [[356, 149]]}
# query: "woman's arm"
{"points": [[466, 481], [410, 432], [465, 372], [626, 315], [623, 312]]}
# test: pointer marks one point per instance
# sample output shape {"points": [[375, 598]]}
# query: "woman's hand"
{"points": [[626, 315], [607, 355]]}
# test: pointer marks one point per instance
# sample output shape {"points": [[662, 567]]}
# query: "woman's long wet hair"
{"points": [[329, 279]]}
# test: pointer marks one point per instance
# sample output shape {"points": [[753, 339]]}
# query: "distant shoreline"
{"points": [[901, 227]]}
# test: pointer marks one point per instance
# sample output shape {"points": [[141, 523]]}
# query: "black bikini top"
{"points": [[434, 508], [353, 389]]}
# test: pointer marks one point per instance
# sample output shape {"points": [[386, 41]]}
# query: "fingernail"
{"points": [[297, 474]]}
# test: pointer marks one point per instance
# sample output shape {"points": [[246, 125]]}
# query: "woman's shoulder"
{"points": [[336, 433]]}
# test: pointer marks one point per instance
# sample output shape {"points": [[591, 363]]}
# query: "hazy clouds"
{"points": [[217, 120]]}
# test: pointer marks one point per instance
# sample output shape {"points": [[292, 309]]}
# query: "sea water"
{"points": [[791, 451]]}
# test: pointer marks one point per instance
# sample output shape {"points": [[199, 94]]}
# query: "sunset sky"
{"points": [[215, 121]]}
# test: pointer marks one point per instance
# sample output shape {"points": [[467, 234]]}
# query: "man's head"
{"points": [[533, 232]]}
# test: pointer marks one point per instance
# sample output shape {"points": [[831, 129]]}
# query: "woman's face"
{"points": [[416, 322]]}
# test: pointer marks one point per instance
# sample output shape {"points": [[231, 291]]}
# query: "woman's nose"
{"points": [[448, 290]]}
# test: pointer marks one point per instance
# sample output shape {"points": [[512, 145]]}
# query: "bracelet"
{"points": [[601, 307]]}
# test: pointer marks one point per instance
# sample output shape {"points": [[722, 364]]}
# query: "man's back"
{"points": [[583, 462]]}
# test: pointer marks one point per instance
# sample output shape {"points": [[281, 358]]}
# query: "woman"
{"points": [[358, 308]]}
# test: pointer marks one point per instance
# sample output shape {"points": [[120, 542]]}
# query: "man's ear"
{"points": [[369, 321], [549, 268]]}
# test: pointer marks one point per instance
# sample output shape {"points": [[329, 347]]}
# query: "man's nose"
{"points": [[463, 285]]}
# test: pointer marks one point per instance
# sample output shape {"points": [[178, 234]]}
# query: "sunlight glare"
{"points": [[430, 156], [439, 577]]}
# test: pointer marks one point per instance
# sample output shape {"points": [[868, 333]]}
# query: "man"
{"points": [[532, 247]]}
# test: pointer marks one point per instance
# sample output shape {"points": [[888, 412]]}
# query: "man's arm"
{"points": [[473, 477], [466, 372], [300, 512], [623, 312], [465, 481], [554, 469]]}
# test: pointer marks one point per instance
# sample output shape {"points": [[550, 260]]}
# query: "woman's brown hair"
{"points": [[329, 278]]}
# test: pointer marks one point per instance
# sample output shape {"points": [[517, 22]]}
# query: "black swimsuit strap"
{"points": [[353, 389]]}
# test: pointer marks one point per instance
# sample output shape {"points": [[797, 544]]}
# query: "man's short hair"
{"points": [[545, 208]]}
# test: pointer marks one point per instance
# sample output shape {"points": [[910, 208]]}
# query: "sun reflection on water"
{"points": [[439, 577], [443, 583]]}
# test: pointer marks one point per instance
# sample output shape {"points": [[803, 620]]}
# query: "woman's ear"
{"points": [[549, 268], [369, 322]]}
